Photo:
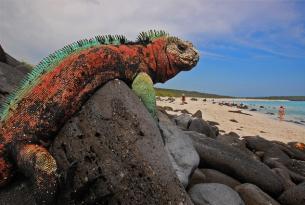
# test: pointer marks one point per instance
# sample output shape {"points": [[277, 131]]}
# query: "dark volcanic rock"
{"points": [[252, 195], [285, 177], [112, 152], [214, 176], [10, 78], [198, 114], [168, 108], [270, 150], [185, 111], [214, 194], [270, 113], [12, 61], [170, 99], [197, 178], [182, 153], [291, 151], [161, 109], [239, 112], [295, 177], [11, 73], [298, 166], [23, 68], [183, 121], [201, 126], [236, 163], [2, 55], [215, 130], [17, 192], [233, 139], [212, 123], [294, 196]]}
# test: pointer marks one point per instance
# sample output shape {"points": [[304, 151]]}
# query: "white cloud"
{"points": [[31, 29]]}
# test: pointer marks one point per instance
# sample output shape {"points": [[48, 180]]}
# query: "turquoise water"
{"points": [[295, 110]]}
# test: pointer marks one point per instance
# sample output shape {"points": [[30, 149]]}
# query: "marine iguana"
{"points": [[60, 84]]}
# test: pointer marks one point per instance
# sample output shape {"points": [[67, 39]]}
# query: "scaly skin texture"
{"points": [[60, 93], [142, 86]]}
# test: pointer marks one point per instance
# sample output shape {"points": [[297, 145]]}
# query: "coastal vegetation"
{"points": [[162, 92]]}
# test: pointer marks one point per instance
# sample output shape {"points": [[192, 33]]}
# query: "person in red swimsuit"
{"points": [[281, 113]]}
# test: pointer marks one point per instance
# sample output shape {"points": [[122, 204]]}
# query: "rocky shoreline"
{"points": [[261, 171], [113, 152]]}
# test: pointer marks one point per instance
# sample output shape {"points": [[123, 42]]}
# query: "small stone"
{"points": [[214, 194], [197, 178], [214, 176], [198, 114], [252, 195], [294, 196]]}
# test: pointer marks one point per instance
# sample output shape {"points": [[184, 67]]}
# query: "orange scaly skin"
{"points": [[60, 93]]}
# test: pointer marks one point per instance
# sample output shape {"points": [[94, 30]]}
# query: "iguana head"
{"points": [[182, 55], [172, 54]]}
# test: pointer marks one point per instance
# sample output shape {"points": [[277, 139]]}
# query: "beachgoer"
{"points": [[281, 113], [183, 99]]}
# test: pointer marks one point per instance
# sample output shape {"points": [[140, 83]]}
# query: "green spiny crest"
{"points": [[172, 39], [147, 37], [50, 62]]}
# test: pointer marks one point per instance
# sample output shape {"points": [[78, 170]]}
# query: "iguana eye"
{"points": [[181, 47]]}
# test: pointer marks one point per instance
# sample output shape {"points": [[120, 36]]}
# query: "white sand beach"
{"points": [[246, 125]]}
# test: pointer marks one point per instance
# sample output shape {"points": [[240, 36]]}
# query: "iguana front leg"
{"points": [[143, 87], [38, 164]]}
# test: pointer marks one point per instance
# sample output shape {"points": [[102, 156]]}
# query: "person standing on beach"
{"points": [[183, 99], [281, 113]]}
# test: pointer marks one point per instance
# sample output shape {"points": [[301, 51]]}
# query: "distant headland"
{"points": [[162, 92]]}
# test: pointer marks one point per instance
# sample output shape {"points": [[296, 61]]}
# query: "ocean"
{"points": [[295, 110]]}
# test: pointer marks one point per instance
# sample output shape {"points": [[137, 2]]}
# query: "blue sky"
{"points": [[248, 48]]}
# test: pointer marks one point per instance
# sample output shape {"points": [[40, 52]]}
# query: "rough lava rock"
{"points": [[294, 196], [201, 126], [17, 192], [197, 114], [2, 55], [285, 177], [112, 152], [270, 150], [236, 163], [197, 178], [233, 139], [183, 121], [298, 166], [214, 176], [11, 73], [252, 195], [180, 147], [289, 150], [214, 194]]}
